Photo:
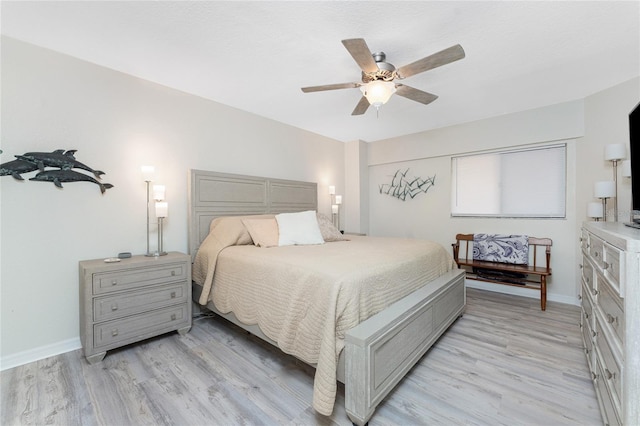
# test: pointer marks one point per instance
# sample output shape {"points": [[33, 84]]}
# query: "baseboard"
{"points": [[42, 352], [518, 291]]}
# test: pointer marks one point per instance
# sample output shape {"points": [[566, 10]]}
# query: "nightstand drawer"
{"points": [[128, 279], [121, 305], [139, 327]]}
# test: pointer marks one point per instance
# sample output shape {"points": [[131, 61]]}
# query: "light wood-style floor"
{"points": [[503, 363]]}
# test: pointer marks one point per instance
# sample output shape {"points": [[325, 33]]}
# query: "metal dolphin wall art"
{"points": [[59, 176], [60, 164], [58, 158], [16, 167]]}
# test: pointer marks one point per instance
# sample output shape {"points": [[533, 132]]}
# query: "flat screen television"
{"points": [[634, 157]]}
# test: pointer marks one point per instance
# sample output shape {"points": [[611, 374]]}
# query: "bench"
{"points": [[532, 275]]}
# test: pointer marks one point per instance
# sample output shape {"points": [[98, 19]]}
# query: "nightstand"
{"points": [[131, 300]]}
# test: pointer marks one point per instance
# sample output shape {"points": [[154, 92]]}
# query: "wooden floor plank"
{"points": [[504, 362]]}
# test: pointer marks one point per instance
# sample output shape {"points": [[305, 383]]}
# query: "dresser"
{"points": [[610, 320], [131, 300]]}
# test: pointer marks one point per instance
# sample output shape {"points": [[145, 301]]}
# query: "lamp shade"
{"points": [[604, 189], [158, 192], [162, 209], [147, 173], [594, 210], [332, 189], [615, 151], [626, 168], [378, 92]]}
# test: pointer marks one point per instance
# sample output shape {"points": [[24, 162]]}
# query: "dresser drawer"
{"points": [[137, 327], [140, 277], [596, 250], [612, 266], [587, 338], [610, 365], [611, 307], [121, 305], [588, 276], [609, 412], [587, 306], [584, 240]]}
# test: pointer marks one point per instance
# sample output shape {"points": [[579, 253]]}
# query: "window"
{"points": [[517, 183]]}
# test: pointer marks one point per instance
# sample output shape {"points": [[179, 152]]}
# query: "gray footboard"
{"points": [[381, 350]]}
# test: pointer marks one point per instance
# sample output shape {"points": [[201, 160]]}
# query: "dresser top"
{"points": [[621, 236]]}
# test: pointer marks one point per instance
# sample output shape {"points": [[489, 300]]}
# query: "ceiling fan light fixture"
{"points": [[378, 92]]}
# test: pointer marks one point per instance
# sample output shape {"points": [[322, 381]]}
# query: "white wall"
{"points": [[117, 123], [428, 215], [606, 122], [585, 125]]}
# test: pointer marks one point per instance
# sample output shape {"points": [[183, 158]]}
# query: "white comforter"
{"points": [[306, 297]]}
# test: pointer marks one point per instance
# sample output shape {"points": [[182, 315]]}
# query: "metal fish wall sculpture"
{"points": [[16, 167], [62, 163], [60, 175]]}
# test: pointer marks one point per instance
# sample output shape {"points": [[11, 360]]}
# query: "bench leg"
{"points": [[543, 292]]}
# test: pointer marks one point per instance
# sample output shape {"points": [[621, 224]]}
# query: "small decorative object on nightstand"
{"points": [[132, 300]]}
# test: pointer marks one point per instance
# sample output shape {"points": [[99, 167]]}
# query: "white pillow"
{"points": [[298, 229]]}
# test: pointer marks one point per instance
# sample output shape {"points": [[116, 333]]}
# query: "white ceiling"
{"points": [[255, 56]]}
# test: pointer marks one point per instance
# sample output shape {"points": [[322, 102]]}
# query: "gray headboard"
{"points": [[213, 194]]}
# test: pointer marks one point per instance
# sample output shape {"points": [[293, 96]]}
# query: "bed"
{"points": [[404, 302]]}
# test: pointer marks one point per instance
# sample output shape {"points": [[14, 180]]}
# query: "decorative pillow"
{"points": [[264, 232], [501, 248], [328, 229], [298, 228]]}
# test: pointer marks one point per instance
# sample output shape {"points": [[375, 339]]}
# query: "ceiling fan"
{"points": [[378, 76]]}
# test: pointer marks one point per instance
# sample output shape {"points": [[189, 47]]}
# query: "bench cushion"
{"points": [[501, 248]]}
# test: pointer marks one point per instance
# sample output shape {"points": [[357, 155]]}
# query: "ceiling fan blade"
{"points": [[359, 50], [362, 107], [415, 94], [443, 57], [330, 87]]}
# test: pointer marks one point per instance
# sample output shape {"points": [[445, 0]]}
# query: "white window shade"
{"points": [[516, 183]]}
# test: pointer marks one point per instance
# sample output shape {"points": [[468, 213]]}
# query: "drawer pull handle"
{"points": [[173, 294], [588, 280], [579, 297], [581, 266], [605, 265], [586, 316], [596, 254], [173, 273], [114, 332], [595, 292], [594, 333], [611, 319], [114, 307], [173, 317], [593, 376], [609, 374], [114, 282]]}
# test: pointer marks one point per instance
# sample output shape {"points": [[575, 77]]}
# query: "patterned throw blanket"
{"points": [[501, 248]]}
